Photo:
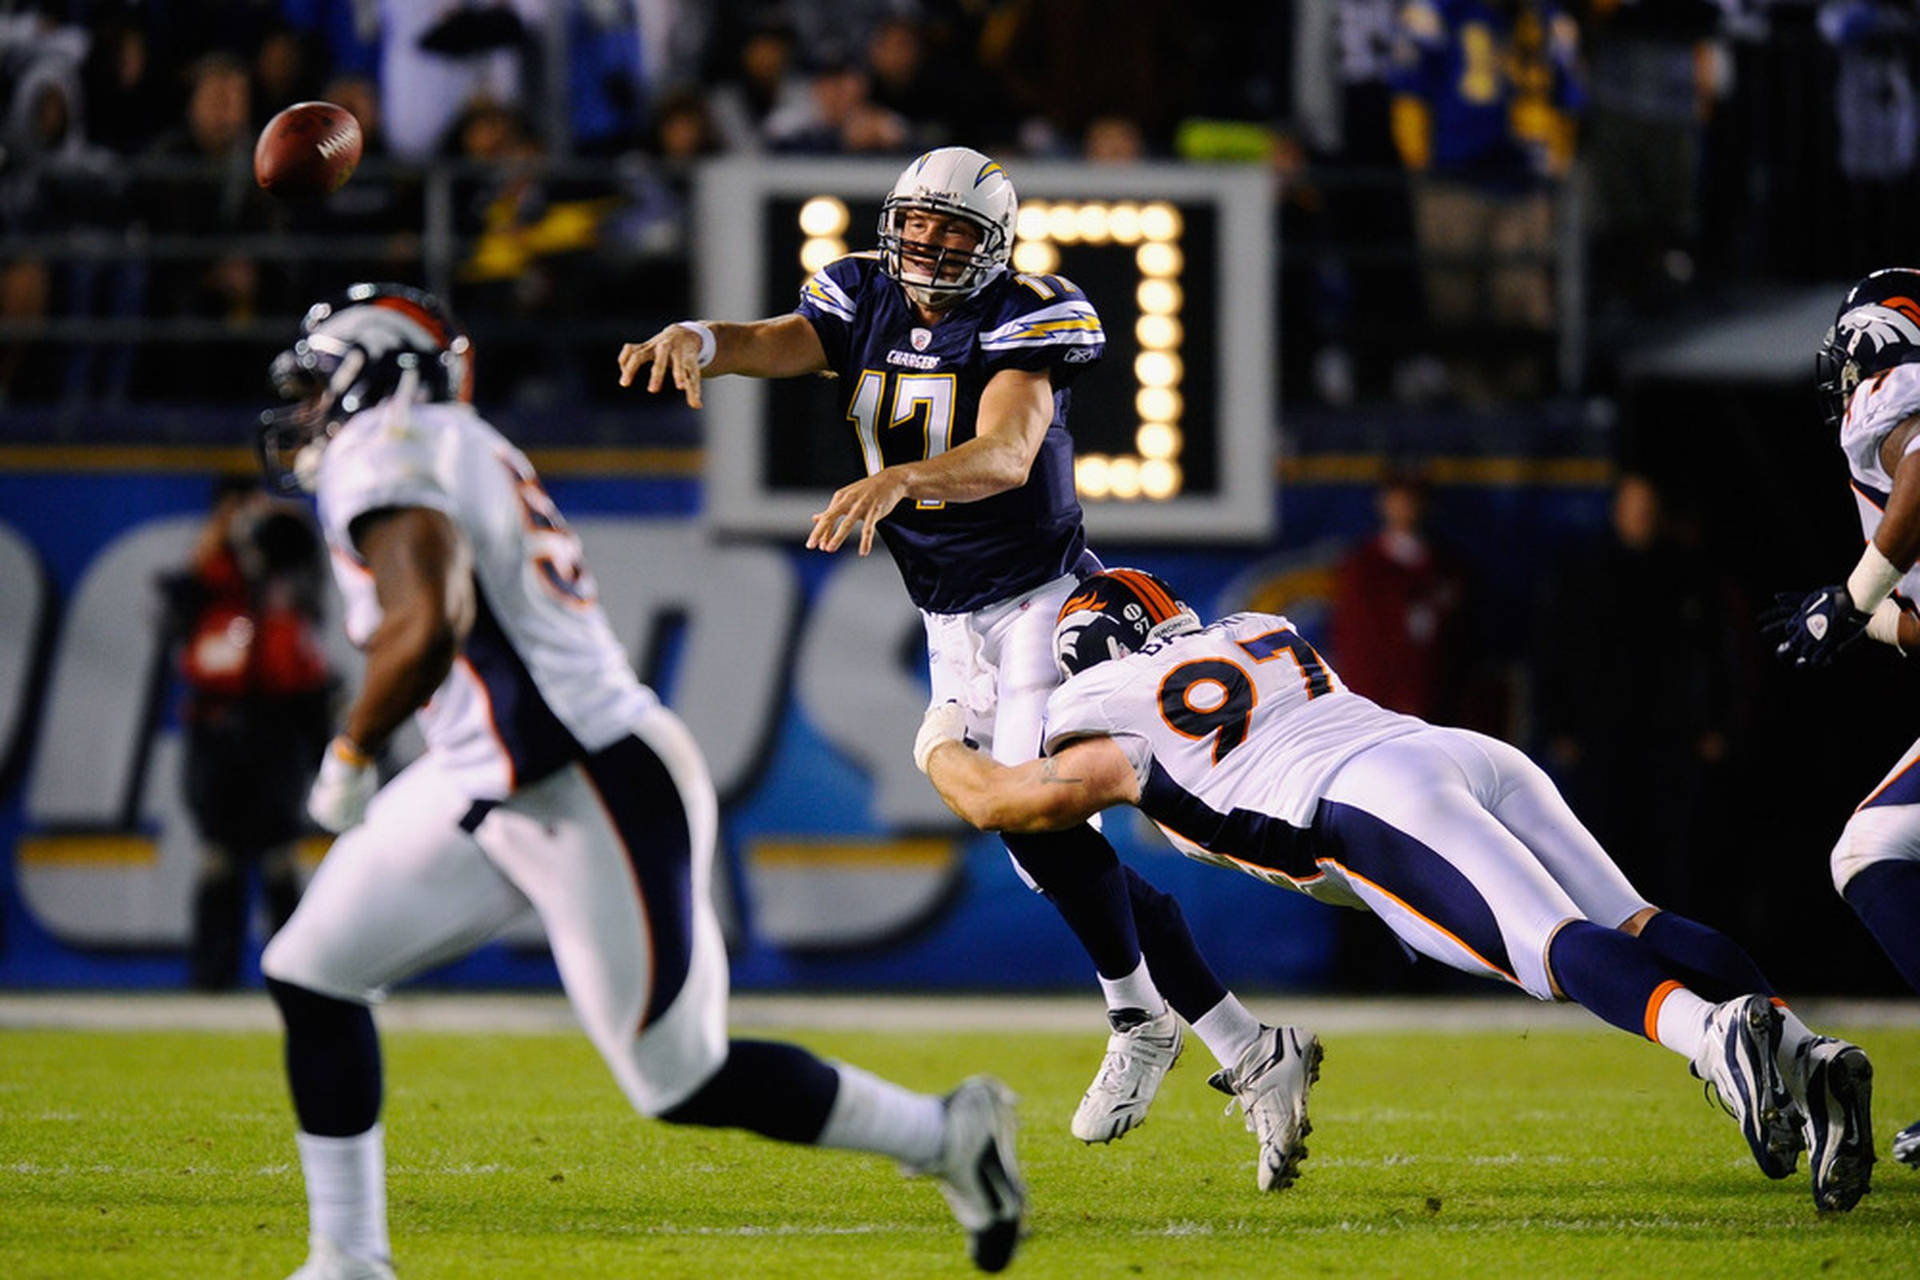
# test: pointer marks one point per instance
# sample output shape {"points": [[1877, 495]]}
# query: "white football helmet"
{"points": [[959, 182]]}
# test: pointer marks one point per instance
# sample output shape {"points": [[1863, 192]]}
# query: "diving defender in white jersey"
{"points": [[553, 779], [1248, 751], [957, 374], [1868, 369]]}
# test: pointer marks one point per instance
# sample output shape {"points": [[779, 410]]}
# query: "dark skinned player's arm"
{"points": [[422, 570]]}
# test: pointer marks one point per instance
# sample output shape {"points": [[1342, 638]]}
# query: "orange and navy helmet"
{"points": [[1114, 613], [1878, 327]]}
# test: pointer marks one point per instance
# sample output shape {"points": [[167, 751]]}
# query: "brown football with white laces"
{"points": [[307, 151]]}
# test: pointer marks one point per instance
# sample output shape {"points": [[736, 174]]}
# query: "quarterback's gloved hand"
{"points": [[1810, 630], [346, 782], [944, 722]]}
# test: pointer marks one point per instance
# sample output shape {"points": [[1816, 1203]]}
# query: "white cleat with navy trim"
{"points": [[978, 1172], [1140, 1052], [1270, 1082], [1738, 1057]]}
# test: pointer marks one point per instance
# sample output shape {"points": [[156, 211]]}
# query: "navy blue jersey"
{"points": [[913, 391]]}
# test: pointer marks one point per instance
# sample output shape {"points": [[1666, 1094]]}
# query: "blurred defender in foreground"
{"points": [[1868, 369], [1249, 752], [553, 780]]}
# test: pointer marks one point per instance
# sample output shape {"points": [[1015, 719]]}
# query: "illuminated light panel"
{"points": [[1090, 475], [1158, 258], [1158, 404], [1040, 229], [1160, 479], [819, 251], [1160, 221], [1159, 441], [1036, 257], [1158, 333], [1158, 369], [824, 217], [1159, 297]]}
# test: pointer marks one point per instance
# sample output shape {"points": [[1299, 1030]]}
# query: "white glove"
{"points": [[944, 722], [346, 782]]}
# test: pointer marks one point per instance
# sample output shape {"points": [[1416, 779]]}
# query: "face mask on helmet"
{"points": [[957, 184], [1878, 327], [1113, 614], [377, 342]]}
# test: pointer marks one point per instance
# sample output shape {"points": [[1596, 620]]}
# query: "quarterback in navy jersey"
{"points": [[960, 556], [957, 375]]}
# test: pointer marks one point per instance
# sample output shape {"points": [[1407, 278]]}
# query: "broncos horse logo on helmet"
{"points": [[1878, 327], [372, 343], [955, 182], [1114, 613]]}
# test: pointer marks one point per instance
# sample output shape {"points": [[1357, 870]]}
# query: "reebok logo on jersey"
{"points": [[1078, 355], [913, 360]]}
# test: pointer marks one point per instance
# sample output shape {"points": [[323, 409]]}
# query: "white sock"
{"points": [[1681, 1024], [347, 1190], [1135, 991], [1228, 1030], [871, 1114]]}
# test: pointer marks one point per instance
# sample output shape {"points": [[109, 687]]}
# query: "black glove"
{"points": [[1810, 630]]}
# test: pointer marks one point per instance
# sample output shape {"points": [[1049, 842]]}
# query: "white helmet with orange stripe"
{"points": [[375, 342], [1114, 613]]}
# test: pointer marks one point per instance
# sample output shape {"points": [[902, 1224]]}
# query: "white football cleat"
{"points": [[1139, 1055], [326, 1260], [977, 1170], [1738, 1057], [1270, 1082], [1832, 1082]]}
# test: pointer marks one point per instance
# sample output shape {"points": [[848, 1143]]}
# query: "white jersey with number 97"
{"points": [[1240, 716], [541, 679]]}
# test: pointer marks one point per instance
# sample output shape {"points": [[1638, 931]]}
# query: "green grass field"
{"points": [[1478, 1154]]}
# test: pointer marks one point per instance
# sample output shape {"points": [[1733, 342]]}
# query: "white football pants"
{"points": [[1465, 848], [614, 853]]}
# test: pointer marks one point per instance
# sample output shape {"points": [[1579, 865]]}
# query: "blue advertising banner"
{"points": [[801, 674]]}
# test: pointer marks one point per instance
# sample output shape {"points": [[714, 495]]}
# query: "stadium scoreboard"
{"points": [[1173, 431]]}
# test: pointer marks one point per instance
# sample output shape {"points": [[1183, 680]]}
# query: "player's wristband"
{"points": [[1873, 579], [1883, 624], [708, 343]]}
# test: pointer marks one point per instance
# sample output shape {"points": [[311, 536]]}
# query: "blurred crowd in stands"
{"points": [[1442, 167]]}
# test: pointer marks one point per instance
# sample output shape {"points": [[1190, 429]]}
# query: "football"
{"points": [[307, 151]]}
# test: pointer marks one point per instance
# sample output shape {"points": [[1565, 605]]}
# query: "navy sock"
{"points": [[1612, 973], [1080, 875], [1179, 970], [776, 1090], [1886, 897], [1712, 965], [333, 1061]]}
